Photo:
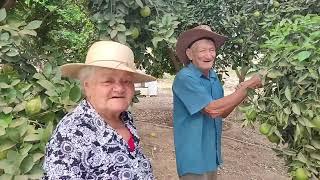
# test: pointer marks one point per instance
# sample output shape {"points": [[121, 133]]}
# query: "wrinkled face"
{"points": [[202, 53], [109, 91]]}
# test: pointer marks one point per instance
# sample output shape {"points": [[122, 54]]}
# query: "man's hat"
{"points": [[111, 55], [187, 38]]}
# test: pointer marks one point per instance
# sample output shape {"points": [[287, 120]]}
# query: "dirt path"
{"points": [[246, 153]]}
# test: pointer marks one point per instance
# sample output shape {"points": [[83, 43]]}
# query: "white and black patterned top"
{"points": [[83, 146]]}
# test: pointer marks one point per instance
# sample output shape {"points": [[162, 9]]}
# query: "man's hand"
{"points": [[253, 83]]}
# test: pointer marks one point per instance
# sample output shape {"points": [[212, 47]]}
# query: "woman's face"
{"points": [[109, 91]]}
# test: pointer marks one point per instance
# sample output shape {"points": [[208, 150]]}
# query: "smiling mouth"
{"points": [[117, 97]]}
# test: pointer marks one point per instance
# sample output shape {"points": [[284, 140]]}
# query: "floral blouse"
{"points": [[83, 146]]}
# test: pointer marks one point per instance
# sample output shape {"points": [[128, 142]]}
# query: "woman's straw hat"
{"points": [[111, 55]]}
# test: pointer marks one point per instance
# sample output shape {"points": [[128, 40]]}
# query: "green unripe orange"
{"points": [[265, 128], [256, 14], [33, 106], [274, 138], [135, 33], [301, 174], [276, 4], [145, 11]]}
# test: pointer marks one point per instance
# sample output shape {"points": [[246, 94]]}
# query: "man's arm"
{"points": [[224, 106]]}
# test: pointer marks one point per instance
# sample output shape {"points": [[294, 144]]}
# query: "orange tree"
{"points": [[35, 37], [39, 35], [246, 24], [289, 106], [148, 27]]}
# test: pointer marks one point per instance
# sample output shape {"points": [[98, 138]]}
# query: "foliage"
{"points": [[289, 101], [245, 23], [34, 97], [65, 33], [119, 20]]}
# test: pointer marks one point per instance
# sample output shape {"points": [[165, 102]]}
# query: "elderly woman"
{"points": [[98, 139]]}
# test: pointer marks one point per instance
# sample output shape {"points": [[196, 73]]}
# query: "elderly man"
{"points": [[200, 105]]}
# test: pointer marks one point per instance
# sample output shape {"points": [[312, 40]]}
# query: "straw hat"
{"points": [[111, 55], [187, 38]]}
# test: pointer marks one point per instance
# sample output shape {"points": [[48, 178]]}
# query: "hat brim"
{"points": [[192, 35], [72, 70]]}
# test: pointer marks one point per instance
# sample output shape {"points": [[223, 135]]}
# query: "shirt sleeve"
{"points": [[191, 93]]}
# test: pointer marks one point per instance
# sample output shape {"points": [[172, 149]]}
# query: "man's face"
{"points": [[109, 91], [202, 53]]}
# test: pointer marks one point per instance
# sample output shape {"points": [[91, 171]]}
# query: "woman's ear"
{"points": [[189, 54]]}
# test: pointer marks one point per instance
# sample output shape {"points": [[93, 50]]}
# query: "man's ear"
{"points": [[189, 54]]}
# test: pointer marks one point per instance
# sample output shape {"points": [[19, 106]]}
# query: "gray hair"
{"points": [[86, 74]]}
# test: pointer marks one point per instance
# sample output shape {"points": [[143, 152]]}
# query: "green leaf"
{"points": [[6, 145], [28, 32], [37, 156], [302, 158], [4, 85], [5, 120], [18, 122], [139, 3], [27, 164], [303, 55], [296, 109], [169, 33], [155, 41], [3, 14], [121, 37], [6, 177], [46, 133], [21, 177], [12, 53], [315, 143], [121, 28], [19, 107], [310, 147], [38, 76], [31, 138], [287, 93], [274, 74], [46, 84], [276, 100], [47, 70], [289, 152], [2, 131], [315, 156], [25, 149], [13, 134], [75, 94], [113, 33], [33, 25]]}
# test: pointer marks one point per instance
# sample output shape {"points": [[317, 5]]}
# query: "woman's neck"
{"points": [[112, 119]]}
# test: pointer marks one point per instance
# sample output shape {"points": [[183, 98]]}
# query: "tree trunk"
{"points": [[8, 4], [176, 63]]}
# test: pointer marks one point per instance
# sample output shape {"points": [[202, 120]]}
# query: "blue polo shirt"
{"points": [[197, 136]]}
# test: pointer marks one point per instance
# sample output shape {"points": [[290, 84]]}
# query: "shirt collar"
{"points": [[199, 73]]}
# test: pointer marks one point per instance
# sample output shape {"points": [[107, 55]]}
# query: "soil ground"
{"points": [[247, 154]]}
